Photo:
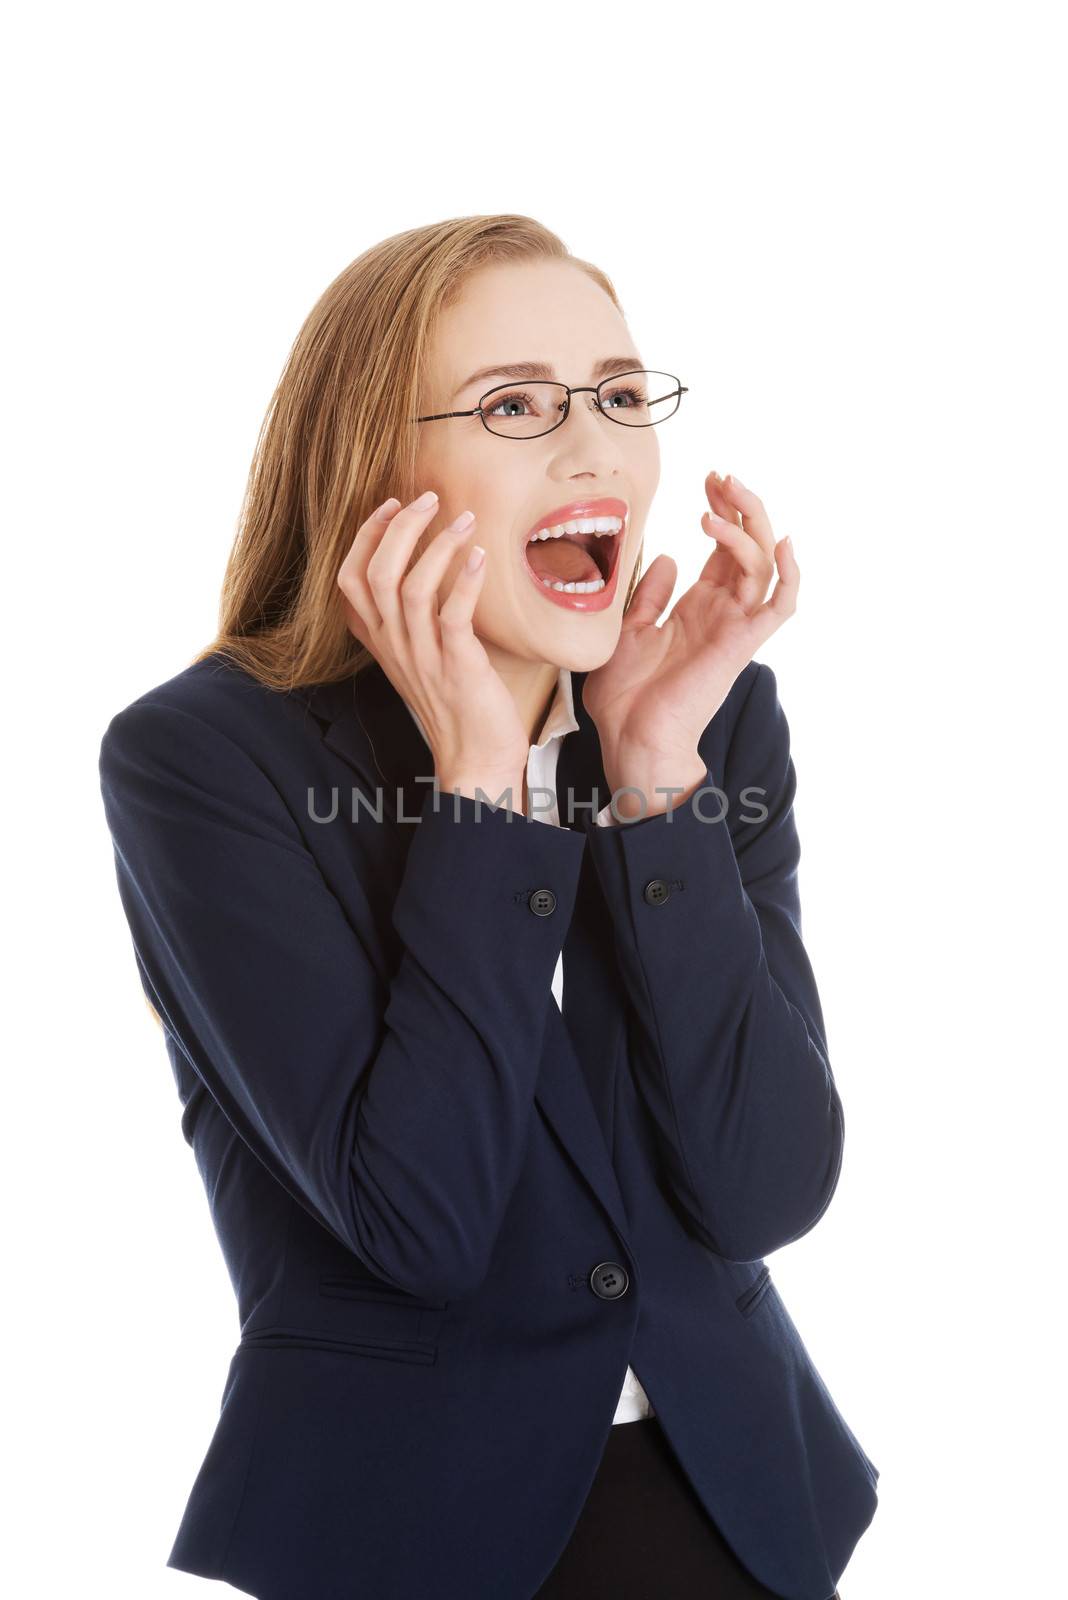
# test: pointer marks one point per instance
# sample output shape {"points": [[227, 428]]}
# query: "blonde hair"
{"points": [[337, 441]]}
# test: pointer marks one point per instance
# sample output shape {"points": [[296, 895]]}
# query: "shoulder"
{"points": [[213, 752], [211, 700], [750, 700], [754, 698], [747, 741], [758, 743], [212, 689]]}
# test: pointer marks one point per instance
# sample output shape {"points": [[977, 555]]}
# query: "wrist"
{"points": [[644, 784], [493, 788]]}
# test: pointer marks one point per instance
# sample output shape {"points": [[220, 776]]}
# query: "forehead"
{"points": [[544, 311]]}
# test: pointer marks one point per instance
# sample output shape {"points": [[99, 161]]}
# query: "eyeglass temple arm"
{"points": [[441, 415]]}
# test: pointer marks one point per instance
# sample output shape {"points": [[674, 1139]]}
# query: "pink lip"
{"points": [[602, 507]]}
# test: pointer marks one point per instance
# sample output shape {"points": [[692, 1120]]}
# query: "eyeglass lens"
{"points": [[637, 399]]}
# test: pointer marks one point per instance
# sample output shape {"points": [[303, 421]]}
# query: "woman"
{"points": [[506, 1327]]}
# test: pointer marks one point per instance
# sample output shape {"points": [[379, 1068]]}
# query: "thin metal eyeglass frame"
{"points": [[594, 389]]}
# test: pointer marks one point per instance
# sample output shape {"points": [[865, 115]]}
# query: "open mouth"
{"points": [[577, 556]]}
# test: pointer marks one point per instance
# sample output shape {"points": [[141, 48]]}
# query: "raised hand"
{"points": [[653, 698], [430, 652]]}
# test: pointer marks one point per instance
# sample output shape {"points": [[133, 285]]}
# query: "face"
{"points": [[547, 311]]}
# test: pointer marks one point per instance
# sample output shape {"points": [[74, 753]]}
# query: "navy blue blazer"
{"points": [[452, 1214]]}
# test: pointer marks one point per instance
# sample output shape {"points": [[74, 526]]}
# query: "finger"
{"points": [[749, 554], [455, 619], [719, 501], [751, 509], [355, 623], [751, 567], [419, 593], [389, 562], [653, 591], [361, 608], [782, 603]]}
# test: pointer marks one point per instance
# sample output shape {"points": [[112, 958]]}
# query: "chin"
{"points": [[582, 645]]}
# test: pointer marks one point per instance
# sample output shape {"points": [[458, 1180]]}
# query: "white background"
{"points": [[841, 226]]}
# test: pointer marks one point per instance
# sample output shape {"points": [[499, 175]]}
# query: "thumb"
{"points": [[653, 592]]}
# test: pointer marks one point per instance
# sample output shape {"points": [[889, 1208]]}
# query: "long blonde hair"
{"points": [[337, 440]]}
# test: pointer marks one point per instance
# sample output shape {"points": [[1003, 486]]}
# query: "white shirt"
{"points": [[542, 761]]}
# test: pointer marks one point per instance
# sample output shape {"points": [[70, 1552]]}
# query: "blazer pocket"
{"points": [[410, 1350], [753, 1294], [376, 1311]]}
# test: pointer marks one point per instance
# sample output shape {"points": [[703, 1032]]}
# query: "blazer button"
{"points": [[542, 902], [656, 892], [609, 1280]]}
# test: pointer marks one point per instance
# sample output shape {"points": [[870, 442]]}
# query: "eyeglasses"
{"points": [[636, 399]]}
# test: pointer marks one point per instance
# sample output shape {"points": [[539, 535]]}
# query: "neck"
{"points": [[532, 684]]}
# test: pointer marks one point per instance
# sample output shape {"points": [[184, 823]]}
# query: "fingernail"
{"points": [[736, 482], [425, 501], [387, 507], [464, 520], [474, 560]]}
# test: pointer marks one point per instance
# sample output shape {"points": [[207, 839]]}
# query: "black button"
{"points": [[542, 902], [609, 1280], [656, 891]]}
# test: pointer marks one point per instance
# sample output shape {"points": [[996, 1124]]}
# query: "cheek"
{"points": [[456, 566], [650, 467], [498, 515]]}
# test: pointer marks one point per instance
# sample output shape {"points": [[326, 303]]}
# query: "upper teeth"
{"points": [[579, 525]]}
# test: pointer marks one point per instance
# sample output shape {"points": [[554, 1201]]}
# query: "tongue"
{"points": [[562, 561]]}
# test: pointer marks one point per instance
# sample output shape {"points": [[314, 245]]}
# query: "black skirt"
{"points": [[643, 1532]]}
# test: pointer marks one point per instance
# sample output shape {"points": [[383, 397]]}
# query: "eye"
{"points": [[517, 398], [636, 396]]}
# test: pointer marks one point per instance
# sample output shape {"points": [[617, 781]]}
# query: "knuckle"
{"points": [[379, 578]]}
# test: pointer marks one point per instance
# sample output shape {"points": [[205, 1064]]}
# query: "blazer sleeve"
{"points": [[728, 1042], [397, 1114]]}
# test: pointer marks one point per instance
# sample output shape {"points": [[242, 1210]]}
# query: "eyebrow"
{"points": [[530, 370]]}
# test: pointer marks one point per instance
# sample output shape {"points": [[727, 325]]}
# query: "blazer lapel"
{"points": [[368, 725]]}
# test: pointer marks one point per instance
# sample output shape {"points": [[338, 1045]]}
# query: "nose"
{"points": [[584, 443], [583, 400]]}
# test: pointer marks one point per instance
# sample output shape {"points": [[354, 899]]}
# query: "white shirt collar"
{"points": [[561, 716]]}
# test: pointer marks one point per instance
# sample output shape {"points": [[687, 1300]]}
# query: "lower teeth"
{"points": [[593, 587]]}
